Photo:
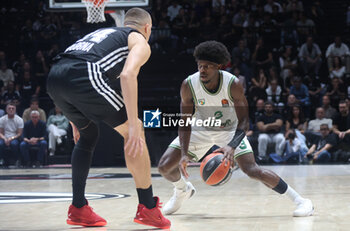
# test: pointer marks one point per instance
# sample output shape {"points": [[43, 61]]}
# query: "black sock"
{"points": [[281, 187], [146, 197], [81, 160]]}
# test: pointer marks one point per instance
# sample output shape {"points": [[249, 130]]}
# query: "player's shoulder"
{"points": [[229, 78], [135, 37], [191, 78], [227, 74]]}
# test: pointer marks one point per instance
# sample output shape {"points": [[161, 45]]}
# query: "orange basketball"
{"points": [[213, 171]]}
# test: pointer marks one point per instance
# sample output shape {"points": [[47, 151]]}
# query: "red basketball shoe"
{"points": [[152, 217], [84, 216]]}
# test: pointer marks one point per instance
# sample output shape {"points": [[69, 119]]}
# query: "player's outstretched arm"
{"points": [[139, 53], [242, 112], [186, 108]]}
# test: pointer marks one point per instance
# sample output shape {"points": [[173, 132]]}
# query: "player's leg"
{"points": [[248, 165], [140, 166], [140, 169], [80, 213], [245, 160], [81, 161], [168, 165], [169, 168], [83, 149]]}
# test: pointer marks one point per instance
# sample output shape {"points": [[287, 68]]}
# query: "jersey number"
{"points": [[218, 115], [97, 36], [242, 145]]}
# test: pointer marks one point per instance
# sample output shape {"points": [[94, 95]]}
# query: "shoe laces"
{"points": [[159, 205], [90, 209]]}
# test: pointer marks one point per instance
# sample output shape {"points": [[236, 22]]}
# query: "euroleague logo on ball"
{"points": [[210, 165]]}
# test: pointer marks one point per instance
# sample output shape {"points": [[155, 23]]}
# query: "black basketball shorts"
{"points": [[84, 94]]}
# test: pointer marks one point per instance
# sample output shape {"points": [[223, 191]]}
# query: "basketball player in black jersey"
{"points": [[86, 83]]}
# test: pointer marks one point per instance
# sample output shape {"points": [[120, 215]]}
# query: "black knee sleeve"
{"points": [[88, 137]]}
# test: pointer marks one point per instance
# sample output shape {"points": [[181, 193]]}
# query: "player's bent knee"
{"points": [[164, 167]]}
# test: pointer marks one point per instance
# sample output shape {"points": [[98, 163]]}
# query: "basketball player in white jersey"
{"points": [[216, 93]]}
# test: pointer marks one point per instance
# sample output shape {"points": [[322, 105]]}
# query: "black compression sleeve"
{"points": [[237, 139]]}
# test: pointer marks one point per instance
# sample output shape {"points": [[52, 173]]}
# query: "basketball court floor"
{"points": [[38, 199]]}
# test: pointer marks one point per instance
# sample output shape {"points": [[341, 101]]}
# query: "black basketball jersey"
{"points": [[106, 47]]}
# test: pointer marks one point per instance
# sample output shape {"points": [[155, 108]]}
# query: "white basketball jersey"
{"points": [[218, 105]]}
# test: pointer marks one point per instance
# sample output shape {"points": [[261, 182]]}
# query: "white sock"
{"points": [[180, 184], [293, 195]]}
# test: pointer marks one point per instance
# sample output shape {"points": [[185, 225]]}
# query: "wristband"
{"points": [[237, 139]]}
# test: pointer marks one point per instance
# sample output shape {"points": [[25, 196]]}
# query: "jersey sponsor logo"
{"points": [[227, 123], [218, 115], [201, 101], [151, 118], [224, 102], [40, 197]]}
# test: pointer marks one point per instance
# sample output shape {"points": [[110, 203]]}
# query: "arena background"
{"points": [[27, 28]]}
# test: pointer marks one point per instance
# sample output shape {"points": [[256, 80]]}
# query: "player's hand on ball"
{"points": [[229, 154], [183, 165]]}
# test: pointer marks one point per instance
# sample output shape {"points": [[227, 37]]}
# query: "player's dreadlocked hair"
{"points": [[212, 51]]}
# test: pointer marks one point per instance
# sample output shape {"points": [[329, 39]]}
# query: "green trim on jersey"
{"points": [[243, 153], [219, 89], [229, 87], [194, 156], [192, 90]]}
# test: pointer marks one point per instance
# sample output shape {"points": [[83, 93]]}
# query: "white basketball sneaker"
{"points": [[178, 198], [304, 209]]}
